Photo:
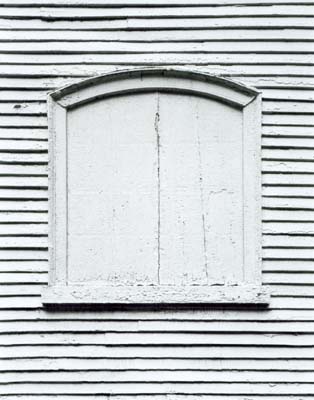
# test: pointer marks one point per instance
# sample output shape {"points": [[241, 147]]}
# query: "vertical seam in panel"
{"points": [[156, 125], [201, 193], [67, 198]]}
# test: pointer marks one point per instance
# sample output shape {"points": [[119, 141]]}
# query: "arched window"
{"points": [[155, 190]]}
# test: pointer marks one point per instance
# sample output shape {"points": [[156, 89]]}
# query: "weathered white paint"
{"points": [[155, 79], [113, 192], [158, 294], [158, 185], [264, 347]]}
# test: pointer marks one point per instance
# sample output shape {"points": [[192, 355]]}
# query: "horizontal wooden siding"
{"points": [[165, 354]]}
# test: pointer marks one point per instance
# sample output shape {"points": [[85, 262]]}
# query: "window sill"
{"points": [[75, 294]]}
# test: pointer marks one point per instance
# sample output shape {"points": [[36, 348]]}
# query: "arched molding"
{"points": [[154, 79]]}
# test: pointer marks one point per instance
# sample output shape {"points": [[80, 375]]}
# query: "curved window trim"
{"points": [[150, 79], [147, 80]]}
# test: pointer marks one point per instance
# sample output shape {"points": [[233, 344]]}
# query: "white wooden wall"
{"points": [[158, 355]]}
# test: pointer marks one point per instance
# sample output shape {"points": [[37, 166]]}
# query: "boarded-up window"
{"points": [[155, 190]]}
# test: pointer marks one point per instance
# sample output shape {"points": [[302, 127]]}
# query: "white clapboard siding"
{"points": [[287, 166], [84, 13], [170, 365], [34, 108], [114, 3], [288, 95], [23, 134], [148, 332], [181, 351], [118, 47], [154, 387], [158, 354], [36, 83], [25, 170], [196, 315], [255, 35], [155, 397], [255, 64], [245, 20], [157, 376]]}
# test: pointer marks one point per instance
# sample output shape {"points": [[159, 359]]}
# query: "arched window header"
{"points": [[174, 157], [150, 79]]}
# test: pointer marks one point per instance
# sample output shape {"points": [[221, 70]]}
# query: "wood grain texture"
{"points": [[119, 183], [165, 294], [221, 353], [194, 156]]}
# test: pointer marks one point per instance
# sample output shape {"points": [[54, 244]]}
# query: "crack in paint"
{"points": [[202, 194], [156, 125]]}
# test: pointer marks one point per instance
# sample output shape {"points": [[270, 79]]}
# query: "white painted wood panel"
{"points": [[200, 178], [187, 236], [113, 192]]}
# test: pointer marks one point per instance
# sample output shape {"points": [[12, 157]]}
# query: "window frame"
{"points": [[145, 80]]}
